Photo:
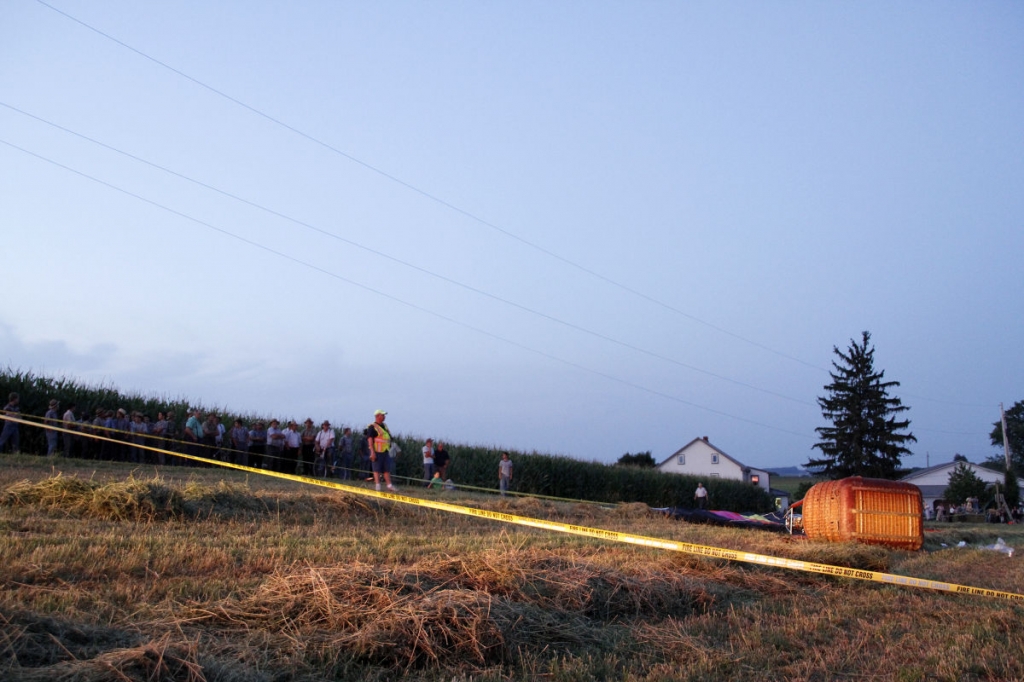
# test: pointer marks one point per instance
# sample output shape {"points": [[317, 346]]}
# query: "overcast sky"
{"points": [[580, 228]]}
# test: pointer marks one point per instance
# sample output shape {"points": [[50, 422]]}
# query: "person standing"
{"points": [[219, 439], [97, 448], [309, 434], [52, 418], [275, 447], [158, 439], [257, 444], [343, 459], [122, 428], [239, 436], [378, 440], [292, 448], [504, 473], [193, 435], [700, 496], [211, 437], [323, 449], [70, 423], [10, 432], [441, 460], [428, 461], [139, 430]]}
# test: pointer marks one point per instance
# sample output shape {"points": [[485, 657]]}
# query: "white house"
{"points": [[933, 480], [702, 459]]}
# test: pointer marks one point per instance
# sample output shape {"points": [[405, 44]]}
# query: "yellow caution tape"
{"points": [[598, 533]]}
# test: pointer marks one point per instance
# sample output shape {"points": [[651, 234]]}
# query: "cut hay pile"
{"points": [[454, 612]]}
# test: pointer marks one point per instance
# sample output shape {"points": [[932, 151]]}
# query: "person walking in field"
{"points": [[700, 496], [378, 440], [504, 473]]}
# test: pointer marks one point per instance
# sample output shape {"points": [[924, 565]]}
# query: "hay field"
{"points": [[115, 573]]}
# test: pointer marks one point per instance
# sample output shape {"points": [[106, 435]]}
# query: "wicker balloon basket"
{"points": [[869, 510]]}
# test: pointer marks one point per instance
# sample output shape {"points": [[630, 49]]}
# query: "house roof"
{"points": [[719, 450], [920, 473]]}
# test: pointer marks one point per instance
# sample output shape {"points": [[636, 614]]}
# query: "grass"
{"points": [[114, 573]]}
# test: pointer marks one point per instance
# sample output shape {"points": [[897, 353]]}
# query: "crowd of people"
{"points": [[998, 513], [117, 435]]}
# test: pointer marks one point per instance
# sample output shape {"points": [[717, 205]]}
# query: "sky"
{"points": [[576, 228]]}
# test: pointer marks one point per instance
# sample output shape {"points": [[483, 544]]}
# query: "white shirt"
{"points": [[325, 439], [428, 454]]}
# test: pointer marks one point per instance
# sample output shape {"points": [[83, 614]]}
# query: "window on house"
{"points": [[714, 458], [755, 479], [715, 476], [682, 460]]}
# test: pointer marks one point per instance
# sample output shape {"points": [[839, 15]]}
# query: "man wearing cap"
{"points": [[378, 441], [309, 434], [10, 430], [323, 449], [52, 418]]}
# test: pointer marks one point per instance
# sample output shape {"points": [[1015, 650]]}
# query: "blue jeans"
{"points": [[10, 433]]}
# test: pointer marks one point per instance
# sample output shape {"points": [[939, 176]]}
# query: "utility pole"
{"points": [[1006, 439]]}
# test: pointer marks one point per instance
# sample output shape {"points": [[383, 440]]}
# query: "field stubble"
{"points": [[201, 574]]}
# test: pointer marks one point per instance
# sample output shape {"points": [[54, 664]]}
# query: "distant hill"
{"points": [[788, 471]]}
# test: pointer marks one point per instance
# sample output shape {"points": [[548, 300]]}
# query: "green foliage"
{"points": [[1012, 489], [36, 391], [640, 459], [865, 438], [801, 491], [1014, 433], [539, 474], [964, 483]]}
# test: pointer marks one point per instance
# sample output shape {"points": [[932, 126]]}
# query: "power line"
{"points": [[407, 264], [433, 197], [396, 299]]}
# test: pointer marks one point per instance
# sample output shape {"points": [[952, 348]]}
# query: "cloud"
{"points": [[52, 357]]}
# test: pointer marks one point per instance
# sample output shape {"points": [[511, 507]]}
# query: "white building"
{"points": [[933, 480], [702, 459]]}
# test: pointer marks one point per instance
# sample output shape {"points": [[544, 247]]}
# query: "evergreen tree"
{"points": [[963, 483], [640, 459], [865, 438]]}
